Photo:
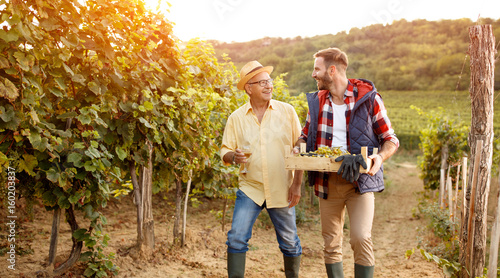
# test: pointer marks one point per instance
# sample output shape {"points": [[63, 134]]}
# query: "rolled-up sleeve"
{"points": [[228, 139], [382, 124]]}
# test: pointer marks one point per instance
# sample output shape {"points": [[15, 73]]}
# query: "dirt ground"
{"points": [[204, 255]]}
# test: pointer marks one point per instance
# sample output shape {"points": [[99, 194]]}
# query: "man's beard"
{"points": [[324, 82]]}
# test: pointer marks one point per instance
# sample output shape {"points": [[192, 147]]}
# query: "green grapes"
{"points": [[326, 152]]}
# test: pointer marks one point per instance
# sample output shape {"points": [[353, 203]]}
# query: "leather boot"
{"points": [[361, 271], [292, 265], [335, 270], [236, 265]]}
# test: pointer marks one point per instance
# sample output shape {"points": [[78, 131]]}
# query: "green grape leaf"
{"points": [[80, 234], [49, 199], [120, 152], [52, 175], [74, 157], [63, 202], [28, 164]]}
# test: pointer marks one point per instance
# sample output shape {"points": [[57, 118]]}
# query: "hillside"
{"points": [[416, 55]]}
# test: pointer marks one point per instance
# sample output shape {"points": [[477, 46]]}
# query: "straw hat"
{"points": [[250, 70]]}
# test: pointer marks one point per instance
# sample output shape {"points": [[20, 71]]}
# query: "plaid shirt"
{"points": [[381, 126]]}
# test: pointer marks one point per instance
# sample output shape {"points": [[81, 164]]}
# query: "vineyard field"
{"points": [[406, 121]]}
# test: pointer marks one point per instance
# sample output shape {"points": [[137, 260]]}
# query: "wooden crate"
{"points": [[320, 164]]}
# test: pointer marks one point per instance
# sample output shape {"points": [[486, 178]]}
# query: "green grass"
{"points": [[406, 121]]}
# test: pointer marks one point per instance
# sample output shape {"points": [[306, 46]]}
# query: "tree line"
{"points": [[405, 55]]}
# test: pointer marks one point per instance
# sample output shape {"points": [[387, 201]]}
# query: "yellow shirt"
{"points": [[267, 179]]}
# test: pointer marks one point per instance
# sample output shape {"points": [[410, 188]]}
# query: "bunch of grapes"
{"points": [[326, 152]]}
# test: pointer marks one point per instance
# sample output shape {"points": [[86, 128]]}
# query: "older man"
{"points": [[254, 138]]}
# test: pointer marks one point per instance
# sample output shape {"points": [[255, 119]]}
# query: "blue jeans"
{"points": [[244, 216]]}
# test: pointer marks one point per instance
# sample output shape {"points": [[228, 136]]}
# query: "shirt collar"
{"points": [[349, 91], [248, 106]]}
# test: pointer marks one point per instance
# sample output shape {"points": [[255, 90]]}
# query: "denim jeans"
{"points": [[244, 216]]}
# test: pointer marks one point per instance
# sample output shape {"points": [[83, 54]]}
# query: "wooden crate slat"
{"points": [[320, 164]]}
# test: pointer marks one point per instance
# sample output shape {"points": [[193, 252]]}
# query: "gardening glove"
{"points": [[350, 166]]}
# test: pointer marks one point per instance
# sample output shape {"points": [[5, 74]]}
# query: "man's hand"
{"points": [[294, 190], [377, 161], [294, 193], [349, 169], [239, 157]]}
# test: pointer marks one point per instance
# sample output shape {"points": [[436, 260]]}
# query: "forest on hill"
{"points": [[405, 55]]}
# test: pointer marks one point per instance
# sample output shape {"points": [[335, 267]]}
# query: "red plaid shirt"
{"points": [[381, 126]]}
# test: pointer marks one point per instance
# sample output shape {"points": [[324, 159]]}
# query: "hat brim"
{"points": [[244, 80]]}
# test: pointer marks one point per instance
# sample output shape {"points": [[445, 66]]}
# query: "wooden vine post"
{"points": [[442, 179], [147, 200], [178, 204], [464, 186], [495, 240], [473, 236], [184, 215], [454, 216], [143, 194]]}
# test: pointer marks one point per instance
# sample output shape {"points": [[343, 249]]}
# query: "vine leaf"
{"points": [[121, 153], [28, 163], [8, 90], [74, 157], [9, 36], [7, 115], [80, 234], [52, 175]]}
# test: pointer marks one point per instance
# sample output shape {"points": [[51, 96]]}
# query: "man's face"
{"points": [[320, 73], [256, 91]]}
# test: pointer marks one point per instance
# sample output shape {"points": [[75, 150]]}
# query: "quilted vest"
{"points": [[360, 132]]}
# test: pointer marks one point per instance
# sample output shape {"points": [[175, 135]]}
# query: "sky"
{"points": [[246, 20]]}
